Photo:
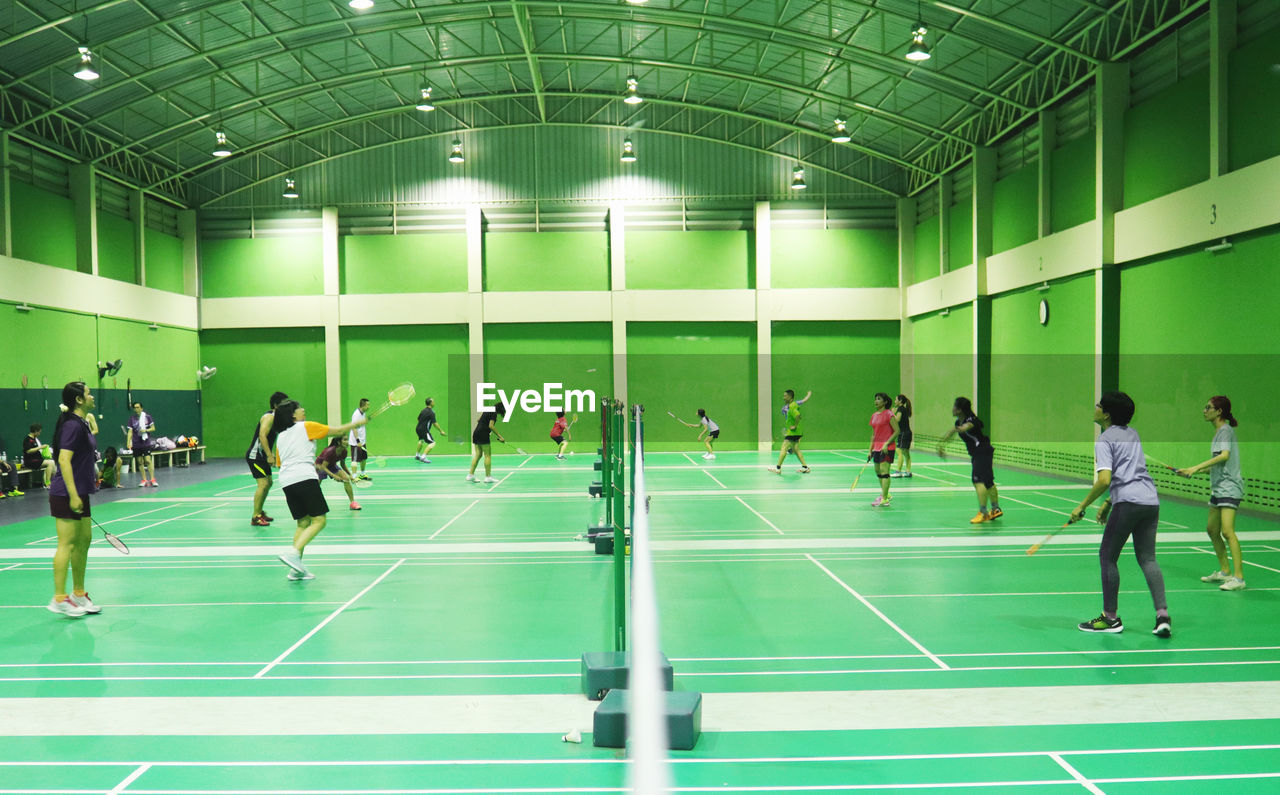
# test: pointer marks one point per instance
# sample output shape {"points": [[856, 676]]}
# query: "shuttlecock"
{"points": [[574, 736]]}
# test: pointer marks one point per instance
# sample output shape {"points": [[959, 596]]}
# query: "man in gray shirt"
{"points": [[1132, 509]]}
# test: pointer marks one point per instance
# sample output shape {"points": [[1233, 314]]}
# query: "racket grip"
{"points": [[1033, 549]]}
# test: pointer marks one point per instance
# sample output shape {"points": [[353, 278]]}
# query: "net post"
{"points": [[618, 514]]}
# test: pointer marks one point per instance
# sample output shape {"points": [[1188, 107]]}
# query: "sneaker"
{"points": [[4, 495], [895, 474], [996, 513], [1217, 576], [259, 521], [293, 559], [1103, 624], [490, 480], [471, 477], [775, 470], [85, 603], [1163, 628], [907, 474], [880, 502], [363, 476], [355, 506], [710, 456], [66, 607], [1232, 584], [803, 470], [16, 493], [264, 516], [154, 485], [426, 460], [295, 576], [559, 457], [982, 516]]}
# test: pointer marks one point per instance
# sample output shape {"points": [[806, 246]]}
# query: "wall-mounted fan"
{"points": [[109, 368], [206, 372]]}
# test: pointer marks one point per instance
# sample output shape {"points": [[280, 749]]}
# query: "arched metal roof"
{"points": [[296, 82]]}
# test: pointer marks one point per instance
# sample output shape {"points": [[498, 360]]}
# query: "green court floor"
{"points": [[838, 646]]}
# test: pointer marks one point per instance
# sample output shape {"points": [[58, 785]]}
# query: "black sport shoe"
{"points": [[1103, 624], [1163, 628]]}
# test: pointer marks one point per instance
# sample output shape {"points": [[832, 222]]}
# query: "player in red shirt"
{"points": [[560, 434], [884, 432], [332, 463]]}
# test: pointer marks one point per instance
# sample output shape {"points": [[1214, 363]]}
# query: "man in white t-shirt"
{"points": [[359, 452]]}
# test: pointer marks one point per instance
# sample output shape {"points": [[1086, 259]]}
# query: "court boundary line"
{"points": [[882, 616], [1071, 771], [129, 779], [267, 669], [1247, 562], [473, 504], [776, 529], [110, 521]]}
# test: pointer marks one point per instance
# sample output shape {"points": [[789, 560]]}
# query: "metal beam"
{"points": [[525, 26]]}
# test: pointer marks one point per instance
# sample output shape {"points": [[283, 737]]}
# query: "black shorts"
{"points": [[1224, 502], [306, 499], [558, 439], [259, 466], [882, 456], [904, 440], [60, 507], [714, 435], [793, 439], [984, 468], [359, 454], [141, 451], [479, 438], [424, 435]]}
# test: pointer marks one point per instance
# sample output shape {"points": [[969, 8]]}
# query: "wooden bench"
{"points": [[181, 454]]}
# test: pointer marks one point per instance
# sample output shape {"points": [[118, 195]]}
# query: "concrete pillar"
{"points": [[1113, 102], [333, 321], [475, 303], [138, 215], [1222, 40], [6, 199], [906, 275], [1047, 127], [946, 185], [618, 288], [764, 326], [84, 194], [189, 231]]}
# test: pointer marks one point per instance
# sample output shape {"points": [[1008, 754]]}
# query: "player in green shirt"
{"points": [[792, 433]]}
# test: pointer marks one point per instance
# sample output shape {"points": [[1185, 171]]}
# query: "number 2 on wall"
{"points": [[1213, 214]]}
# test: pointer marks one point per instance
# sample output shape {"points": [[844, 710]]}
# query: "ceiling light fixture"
{"points": [[86, 70], [221, 148], [290, 190], [455, 154], [361, 5], [633, 91], [842, 133], [628, 152], [797, 179], [918, 51], [424, 103]]}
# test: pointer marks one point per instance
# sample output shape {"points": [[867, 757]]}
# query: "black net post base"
{"points": [[684, 720], [603, 671]]}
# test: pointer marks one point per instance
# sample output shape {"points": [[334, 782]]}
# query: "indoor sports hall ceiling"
{"points": [[298, 82]]}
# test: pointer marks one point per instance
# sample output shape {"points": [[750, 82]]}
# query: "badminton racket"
{"points": [[574, 420], [861, 469], [25, 406], [44, 385], [677, 419], [1031, 550], [519, 450], [111, 538], [396, 397]]}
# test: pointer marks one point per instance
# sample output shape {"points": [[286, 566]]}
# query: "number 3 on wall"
{"points": [[1213, 214]]}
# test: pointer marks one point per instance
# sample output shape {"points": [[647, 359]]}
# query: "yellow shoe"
{"points": [[996, 513], [980, 518]]}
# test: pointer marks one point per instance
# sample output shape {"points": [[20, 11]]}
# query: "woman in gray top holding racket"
{"points": [[1226, 490]]}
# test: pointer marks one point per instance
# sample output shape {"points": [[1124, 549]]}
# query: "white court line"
{"points": [[1247, 562], [1038, 507], [882, 616], [14, 566], [762, 517], [132, 777], [713, 477], [1084, 782], [686, 455], [266, 669], [501, 481], [454, 519], [527, 460], [110, 521], [915, 475], [162, 521], [237, 488], [1164, 522]]}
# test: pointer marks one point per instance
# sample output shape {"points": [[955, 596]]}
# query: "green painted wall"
{"points": [[165, 269], [522, 261], [961, 235], [375, 359], [1253, 98], [253, 363], [833, 258], [1071, 189], [1195, 325], [44, 226], [528, 355], [116, 248], [261, 266], [844, 364], [926, 249], [1166, 140], [682, 367], [1014, 211], [943, 366], [431, 263], [1042, 376], [688, 260], [160, 364]]}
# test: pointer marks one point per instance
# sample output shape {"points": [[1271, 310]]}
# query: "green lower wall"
{"points": [[834, 258], [683, 367], [943, 366], [524, 261], [704, 260], [526, 356], [261, 266], [1166, 140], [44, 226], [434, 263], [844, 364], [160, 364], [1071, 187], [253, 363], [377, 358], [1015, 212]]}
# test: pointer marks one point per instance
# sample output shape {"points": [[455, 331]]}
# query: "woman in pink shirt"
{"points": [[884, 432]]}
